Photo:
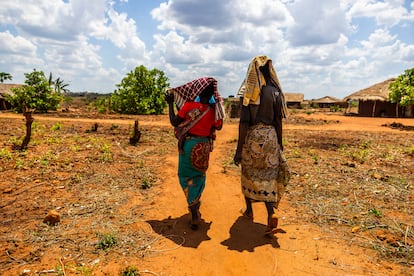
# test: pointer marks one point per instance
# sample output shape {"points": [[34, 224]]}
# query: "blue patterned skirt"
{"points": [[192, 167]]}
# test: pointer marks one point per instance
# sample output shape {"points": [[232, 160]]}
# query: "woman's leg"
{"points": [[272, 220], [249, 210], [195, 215], [192, 181]]}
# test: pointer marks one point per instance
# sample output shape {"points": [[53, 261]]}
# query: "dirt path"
{"points": [[228, 244]]}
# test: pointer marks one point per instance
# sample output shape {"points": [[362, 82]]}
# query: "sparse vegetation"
{"points": [[56, 126], [39, 94], [335, 108], [130, 271], [100, 183], [106, 241], [141, 92], [402, 89]]}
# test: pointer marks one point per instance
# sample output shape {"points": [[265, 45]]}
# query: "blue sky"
{"points": [[319, 47]]}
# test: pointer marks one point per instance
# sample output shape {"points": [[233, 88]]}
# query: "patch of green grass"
{"points": [[5, 153], [130, 271], [360, 156], [398, 181], [76, 178], [344, 148], [106, 152], [18, 164], [141, 164], [57, 126], [297, 154], [59, 270], [147, 182], [46, 158], [53, 140], [365, 145], [106, 241], [377, 213], [75, 148], [85, 271], [15, 142], [315, 156]]}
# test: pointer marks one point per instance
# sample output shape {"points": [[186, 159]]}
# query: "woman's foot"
{"points": [[195, 216], [194, 225], [247, 214], [272, 222]]}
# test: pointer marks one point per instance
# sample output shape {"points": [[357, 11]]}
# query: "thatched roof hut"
{"points": [[376, 92], [6, 89], [294, 99], [328, 101], [233, 107], [373, 101], [233, 104]]}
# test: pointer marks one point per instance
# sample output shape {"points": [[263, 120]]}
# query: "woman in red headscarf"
{"points": [[201, 110]]}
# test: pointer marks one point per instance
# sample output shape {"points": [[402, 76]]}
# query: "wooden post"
{"points": [[29, 120], [373, 108], [396, 110], [136, 136]]}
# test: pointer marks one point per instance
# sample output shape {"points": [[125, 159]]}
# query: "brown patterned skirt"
{"points": [[261, 158]]}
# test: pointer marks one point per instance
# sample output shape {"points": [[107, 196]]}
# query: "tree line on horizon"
{"points": [[140, 92]]}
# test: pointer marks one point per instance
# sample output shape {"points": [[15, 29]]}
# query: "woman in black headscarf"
{"points": [[260, 145]]}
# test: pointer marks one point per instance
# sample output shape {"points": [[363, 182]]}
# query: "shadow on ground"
{"points": [[247, 235], [171, 228]]}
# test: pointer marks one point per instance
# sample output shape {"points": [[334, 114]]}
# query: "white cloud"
{"points": [[93, 44], [16, 44], [261, 12], [317, 22], [386, 13], [64, 43]]}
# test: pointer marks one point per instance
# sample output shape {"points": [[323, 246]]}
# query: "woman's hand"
{"points": [[169, 97], [237, 158]]}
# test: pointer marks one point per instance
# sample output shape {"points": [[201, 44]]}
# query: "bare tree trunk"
{"points": [[136, 136], [29, 121]]}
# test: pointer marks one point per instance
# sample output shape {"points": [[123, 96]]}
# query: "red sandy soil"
{"points": [[226, 243]]}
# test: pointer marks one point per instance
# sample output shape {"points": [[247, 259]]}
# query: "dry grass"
{"points": [[355, 185], [358, 184], [90, 178]]}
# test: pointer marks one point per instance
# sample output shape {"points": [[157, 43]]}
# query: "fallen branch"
{"points": [[63, 266], [376, 226], [13, 258]]}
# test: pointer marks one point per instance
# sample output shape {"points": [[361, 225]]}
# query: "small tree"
{"points": [[141, 92], [38, 94], [5, 76], [402, 89]]}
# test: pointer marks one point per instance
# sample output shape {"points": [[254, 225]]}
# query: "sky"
{"points": [[318, 47]]}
